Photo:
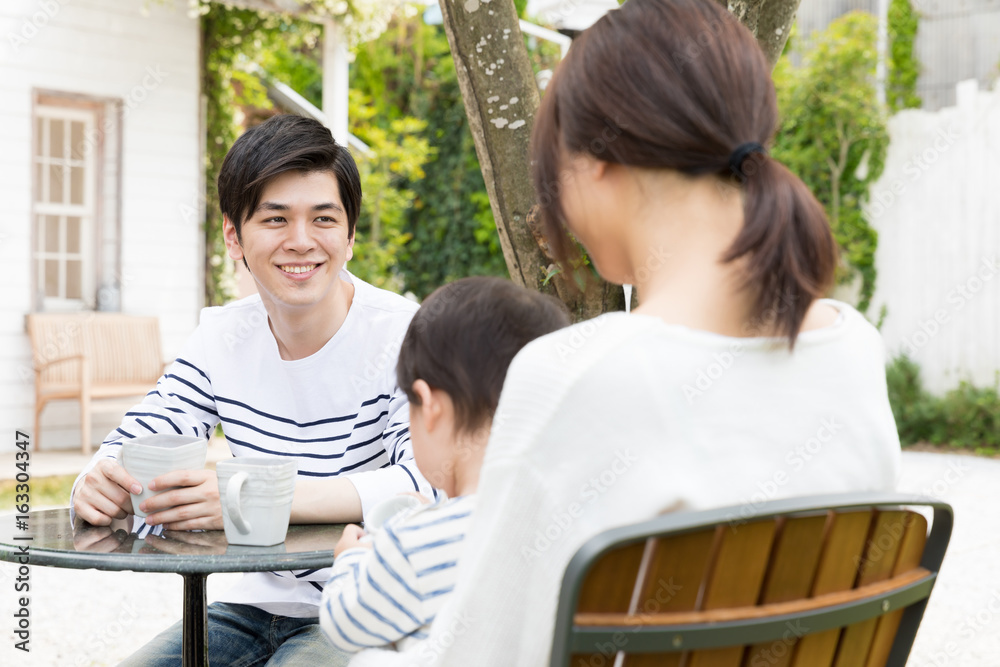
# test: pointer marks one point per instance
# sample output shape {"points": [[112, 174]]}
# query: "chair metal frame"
{"points": [[570, 639]]}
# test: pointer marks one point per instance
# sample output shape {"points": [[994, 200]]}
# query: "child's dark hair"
{"points": [[464, 337], [284, 143]]}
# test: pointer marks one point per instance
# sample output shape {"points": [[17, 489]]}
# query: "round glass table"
{"points": [[52, 539]]}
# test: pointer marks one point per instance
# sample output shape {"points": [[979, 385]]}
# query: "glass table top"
{"points": [[51, 539]]}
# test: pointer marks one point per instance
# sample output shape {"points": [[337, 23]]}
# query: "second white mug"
{"points": [[256, 495]]}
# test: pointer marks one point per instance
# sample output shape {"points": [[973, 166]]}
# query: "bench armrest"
{"points": [[43, 366]]}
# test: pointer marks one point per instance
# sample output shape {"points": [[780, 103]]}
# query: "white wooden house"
{"points": [[101, 175]]}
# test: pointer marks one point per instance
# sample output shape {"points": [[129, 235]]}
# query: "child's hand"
{"points": [[352, 537], [419, 496]]}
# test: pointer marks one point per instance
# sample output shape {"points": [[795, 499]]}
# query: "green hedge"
{"points": [[967, 416]]}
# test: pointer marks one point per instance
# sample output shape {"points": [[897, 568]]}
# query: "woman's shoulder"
{"points": [[849, 330], [580, 345], [557, 367]]}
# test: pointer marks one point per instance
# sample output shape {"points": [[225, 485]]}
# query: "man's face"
{"points": [[296, 242]]}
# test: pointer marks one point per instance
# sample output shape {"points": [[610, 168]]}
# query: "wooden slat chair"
{"points": [[87, 356], [823, 581]]}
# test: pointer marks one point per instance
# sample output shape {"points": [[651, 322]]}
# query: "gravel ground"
{"points": [[87, 617], [961, 627]]}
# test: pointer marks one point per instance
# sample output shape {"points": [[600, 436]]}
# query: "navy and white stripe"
{"points": [[336, 412], [170, 408], [335, 445], [392, 591]]}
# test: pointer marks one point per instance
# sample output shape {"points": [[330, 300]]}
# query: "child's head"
{"points": [[454, 359]]}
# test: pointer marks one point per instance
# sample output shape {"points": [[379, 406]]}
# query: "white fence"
{"points": [[937, 210]]}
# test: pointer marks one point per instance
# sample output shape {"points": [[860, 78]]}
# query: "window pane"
{"points": [[76, 185], [65, 150], [73, 284], [56, 140], [51, 277], [40, 193], [55, 184], [51, 233], [76, 145], [72, 235]]}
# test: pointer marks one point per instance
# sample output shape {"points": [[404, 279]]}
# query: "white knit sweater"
{"points": [[612, 421]]}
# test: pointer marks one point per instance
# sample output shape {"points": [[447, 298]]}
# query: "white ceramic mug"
{"points": [[256, 494], [148, 456], [386, 509]]}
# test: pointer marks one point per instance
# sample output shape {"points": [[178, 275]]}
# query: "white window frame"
{"points": [[100, 156], [86, 211]]}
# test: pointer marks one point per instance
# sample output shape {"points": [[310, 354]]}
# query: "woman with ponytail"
{"points": [[735, 382]]}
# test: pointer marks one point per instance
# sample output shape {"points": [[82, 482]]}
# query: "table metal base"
{"points": [[194, 641]]}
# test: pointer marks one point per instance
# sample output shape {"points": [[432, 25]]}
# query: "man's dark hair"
{"points": [[464, 337], [280, 144]]}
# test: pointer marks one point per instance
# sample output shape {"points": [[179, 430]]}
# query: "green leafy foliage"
{"points": [[912, 407], [232, 41], [448, 228], [398, 156], [426, 217], [289, 51], [966, 416], [295, 61], [229, 36], [833, 134], [904, 68]]}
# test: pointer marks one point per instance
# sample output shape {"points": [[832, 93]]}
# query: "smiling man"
{"points": [[303, 370]]}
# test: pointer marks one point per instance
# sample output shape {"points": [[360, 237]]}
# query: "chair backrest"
{"points": [[126, 349], [825, 581], [120, 349]]}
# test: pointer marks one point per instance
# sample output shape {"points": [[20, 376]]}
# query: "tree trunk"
{"points": [[770, 21], [501, 97]]}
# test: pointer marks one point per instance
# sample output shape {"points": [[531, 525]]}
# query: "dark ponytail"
{"points": [[791, 252], [681, 85]]}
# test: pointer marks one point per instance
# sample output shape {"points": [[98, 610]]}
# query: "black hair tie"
{"points": [[738, 156]]}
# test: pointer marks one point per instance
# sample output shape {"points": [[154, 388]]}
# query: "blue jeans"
{"points": [[243, 636]]}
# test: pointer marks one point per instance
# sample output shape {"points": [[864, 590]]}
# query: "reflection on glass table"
{"points": [[52, 539]]}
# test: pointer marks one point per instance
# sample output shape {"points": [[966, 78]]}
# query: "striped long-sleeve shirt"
{"points": [[336, 412], [390, 592]]}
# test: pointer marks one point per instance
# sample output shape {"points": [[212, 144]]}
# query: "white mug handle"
{"points": [[233, 490]]}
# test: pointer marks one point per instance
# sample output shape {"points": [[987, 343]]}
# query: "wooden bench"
{"points": [[88, 356], [830, 581]]}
